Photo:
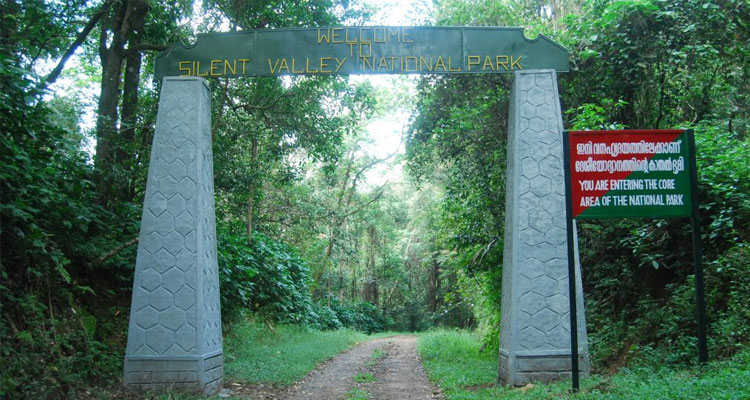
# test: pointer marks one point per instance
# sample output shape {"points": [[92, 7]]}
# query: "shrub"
{"points": [[267, 277]]}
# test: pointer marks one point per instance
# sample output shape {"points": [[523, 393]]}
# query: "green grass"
{"points": [[254, 354], [364, 377], [376, 355], [357, 394], [453, 361]]}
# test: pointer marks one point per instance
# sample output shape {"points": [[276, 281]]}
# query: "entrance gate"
{"points": [[174, 336]]}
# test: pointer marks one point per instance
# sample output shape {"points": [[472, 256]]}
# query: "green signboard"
{"points": [[633, 173], [362, 50], [616, 174]]}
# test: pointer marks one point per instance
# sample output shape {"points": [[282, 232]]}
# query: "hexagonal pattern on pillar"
{"points": [[173, 318], [545, 320], [535, 289], [533, 338], [542, 199], [531, 302], [178, 212], [147, 318]]}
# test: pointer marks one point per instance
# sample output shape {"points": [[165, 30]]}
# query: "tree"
{"points": [[128, 28]]}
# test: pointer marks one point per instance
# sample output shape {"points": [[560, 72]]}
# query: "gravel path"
{"points": [[381, 369]]}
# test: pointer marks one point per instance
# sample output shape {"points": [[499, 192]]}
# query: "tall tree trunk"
{"points": [[126, 21], [106, 123], [434, 286], [337, 219], [124, 153], [354, 282], [342, 283], [251, 189]]}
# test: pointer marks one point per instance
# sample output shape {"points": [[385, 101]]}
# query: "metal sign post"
{"points": [[633, 174], [700, 301], [571, 265]]}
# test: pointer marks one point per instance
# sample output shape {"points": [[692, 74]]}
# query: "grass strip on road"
{"points": [[255, 355]]}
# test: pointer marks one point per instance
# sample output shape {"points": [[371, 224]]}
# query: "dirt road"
{"points": [[381, 369]]}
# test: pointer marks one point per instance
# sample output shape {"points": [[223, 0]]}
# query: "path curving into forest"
{"points": [[380, 369]]}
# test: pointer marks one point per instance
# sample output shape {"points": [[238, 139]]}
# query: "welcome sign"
{"points": [[362, 50], [634, 173]]}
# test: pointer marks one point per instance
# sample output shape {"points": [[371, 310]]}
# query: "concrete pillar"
{"points": [[535, 335], [174, 337]]}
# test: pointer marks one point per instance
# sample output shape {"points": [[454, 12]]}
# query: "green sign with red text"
{"points": [[632, 173]]}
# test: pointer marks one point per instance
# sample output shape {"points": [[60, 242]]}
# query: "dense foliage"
{"points": [[657, 64], [455, 361], [304, 237]]}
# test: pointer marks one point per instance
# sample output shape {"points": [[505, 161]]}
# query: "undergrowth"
{"points": [[452, 360], [255, 354]]}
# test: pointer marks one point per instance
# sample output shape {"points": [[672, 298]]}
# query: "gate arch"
{"points": [[174, 335]]}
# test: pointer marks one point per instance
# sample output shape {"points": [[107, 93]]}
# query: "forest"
{"points": [[306, 236]]}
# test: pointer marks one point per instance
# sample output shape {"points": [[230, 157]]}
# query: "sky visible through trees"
{"points": [[385, 131], [368, 202]]}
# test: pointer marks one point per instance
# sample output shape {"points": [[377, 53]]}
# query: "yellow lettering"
{"points": [[503, 63], [284, 65], [393, 60], [404, 34], [187, 69], [394, 32], [366, 60], [326, 36], [307, 67], [361, 39], [383, 64], [369, 48], [473, 60], [375, 35], [293, 70], [214, 67], [423, 61], [230, 67], [517, 62], [336, 35], [452, 69], [487, 63], [273, 66], [440, 63], [407, 64], [243, 61], [324, 64], [197, 68], [346, 37], [351, 49], [339, 63]]}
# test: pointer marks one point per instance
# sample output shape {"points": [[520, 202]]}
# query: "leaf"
{"points": [[63, 273]]}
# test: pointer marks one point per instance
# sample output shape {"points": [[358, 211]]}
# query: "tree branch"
{"points": [[363, 206], [220, 114], [52, 77], [249, 107], [146, 47], [118, 249]]}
